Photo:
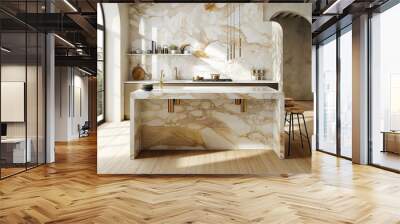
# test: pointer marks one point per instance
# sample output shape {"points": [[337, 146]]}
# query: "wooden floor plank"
{"points": [[114, 157], [70, 191]]}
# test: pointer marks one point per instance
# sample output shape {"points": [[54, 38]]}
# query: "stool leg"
{"points": [[290, 131], [285, 119], [305, 127], [292, 118], [301, 136]]}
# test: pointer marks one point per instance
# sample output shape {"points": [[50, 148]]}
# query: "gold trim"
{"points": [[177, 101], [170, 105], [243, 105]]}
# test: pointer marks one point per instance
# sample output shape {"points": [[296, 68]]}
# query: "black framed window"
{"points": [[100, 64], [327, 95], [345, 92], [384, 83], [334, 94]]}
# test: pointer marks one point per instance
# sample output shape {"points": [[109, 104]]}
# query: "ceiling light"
{"points": [[5, 50], [84, 71], [80, 51], [71, 6], [64, 40]]}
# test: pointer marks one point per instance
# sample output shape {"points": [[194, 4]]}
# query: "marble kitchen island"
{"points": [[207, 118], [229, 126]]}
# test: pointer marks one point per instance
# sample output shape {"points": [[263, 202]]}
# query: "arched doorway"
{"points": [[297, 71], [297, 76]]}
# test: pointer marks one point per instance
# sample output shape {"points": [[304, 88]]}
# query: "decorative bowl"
{"points": [[147, 87]]}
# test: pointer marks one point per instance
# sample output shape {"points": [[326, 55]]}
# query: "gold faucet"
{"points": [[162, 79]]}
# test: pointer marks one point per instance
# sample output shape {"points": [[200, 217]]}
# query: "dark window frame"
{"points": [[381, 9], [102, 27], [334, 37], [31, 30]]}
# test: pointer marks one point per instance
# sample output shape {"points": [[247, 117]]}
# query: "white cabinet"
{"points": [[16, 148]]}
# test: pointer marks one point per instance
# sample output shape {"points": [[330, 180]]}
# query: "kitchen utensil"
{"points": [[212, 80], [215, 76], [197, 78], [186, 49]]}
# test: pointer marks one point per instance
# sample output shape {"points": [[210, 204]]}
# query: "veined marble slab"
{"points": [[207, 119], [205, 27], [209, 92]]}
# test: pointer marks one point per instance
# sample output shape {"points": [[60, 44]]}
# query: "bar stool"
{"points": [[296, 111], [289, 102]]}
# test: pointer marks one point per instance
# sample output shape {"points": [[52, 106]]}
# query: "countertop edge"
{"points": [[268, 93], [201, 82]]}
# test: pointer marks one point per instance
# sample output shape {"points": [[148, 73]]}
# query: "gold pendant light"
{"points": [[234, 36]]}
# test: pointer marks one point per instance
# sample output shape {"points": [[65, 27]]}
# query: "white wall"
{"points": [[17, 73], [79, 117], [116, 23], [50, 93], [69, 82], [61, 103], [33, 105], [360, 90], [124, 12]]}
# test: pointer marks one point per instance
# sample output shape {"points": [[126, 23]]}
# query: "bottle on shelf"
{"points": [[153, 47], [162, 76]]}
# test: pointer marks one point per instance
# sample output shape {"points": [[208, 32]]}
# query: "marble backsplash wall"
{"points": [[277, 50], [203, 26]]}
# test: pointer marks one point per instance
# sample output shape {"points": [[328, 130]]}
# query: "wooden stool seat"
{"points": [[295, 110], [288, 99], [289, 104]]}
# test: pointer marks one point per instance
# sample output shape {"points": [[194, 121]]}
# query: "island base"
{"points": [[206, 124]]}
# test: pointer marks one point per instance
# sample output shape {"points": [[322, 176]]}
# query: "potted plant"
{"points": [[173, 49]]}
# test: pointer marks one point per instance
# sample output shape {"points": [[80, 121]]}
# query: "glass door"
{"points": [[385, 89], [15, 149], [334, 99], [346, 72], [326, 102], [22, 93]]}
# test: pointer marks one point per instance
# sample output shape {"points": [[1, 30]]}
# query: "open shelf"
{"points": [[160, 54]]}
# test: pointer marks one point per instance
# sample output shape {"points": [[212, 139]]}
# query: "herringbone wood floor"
{"points": [[69, 191]]}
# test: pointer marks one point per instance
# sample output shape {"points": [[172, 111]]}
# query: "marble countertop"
{"points": [[209, 92], [191, 81]]}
